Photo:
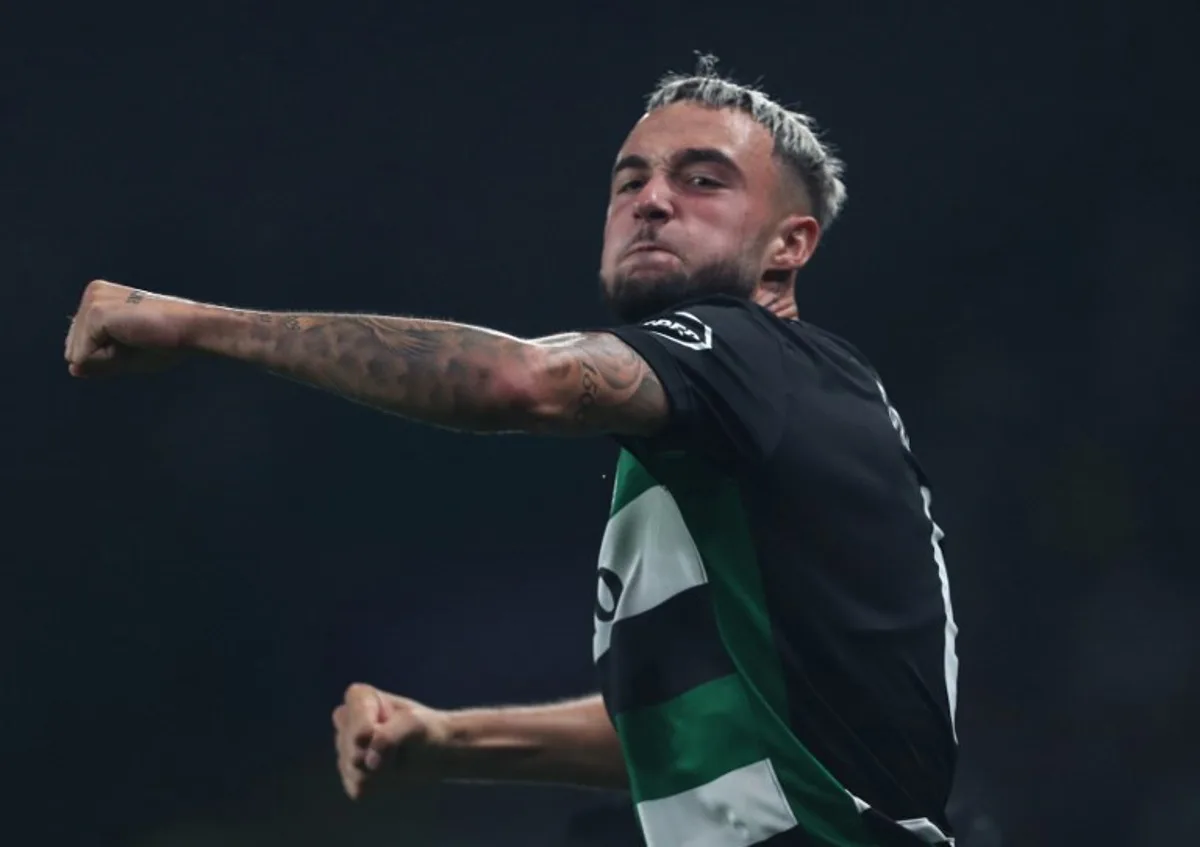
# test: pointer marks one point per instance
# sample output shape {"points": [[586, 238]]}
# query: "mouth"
{"points": [[647, 247]]}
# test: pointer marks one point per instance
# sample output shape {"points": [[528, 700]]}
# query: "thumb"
{"points": [[386, 737], [367, 707]]}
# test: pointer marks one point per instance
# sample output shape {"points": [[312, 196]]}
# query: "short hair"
{"points": [[797, 142]]}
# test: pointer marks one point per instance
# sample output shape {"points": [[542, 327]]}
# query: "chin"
{"points": [[639, 294]]}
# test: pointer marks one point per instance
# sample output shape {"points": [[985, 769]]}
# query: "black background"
{"points": [[198, 563]]}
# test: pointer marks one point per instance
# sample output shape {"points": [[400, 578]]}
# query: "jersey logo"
{"points": [[682, 328], [606, 607]]}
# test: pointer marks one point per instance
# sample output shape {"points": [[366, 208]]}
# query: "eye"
{"points": [[630, 185], [702, 181]]}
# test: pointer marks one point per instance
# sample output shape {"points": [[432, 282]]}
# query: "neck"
{"points": [[779, 300]]}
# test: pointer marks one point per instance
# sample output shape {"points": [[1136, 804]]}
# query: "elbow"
{"points": [[531, 396]]}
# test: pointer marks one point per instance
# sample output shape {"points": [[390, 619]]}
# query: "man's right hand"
{"points": [[118, 330], [380, 733]]}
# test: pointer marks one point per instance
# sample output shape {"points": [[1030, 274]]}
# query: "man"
{"points": [[773, 629]]}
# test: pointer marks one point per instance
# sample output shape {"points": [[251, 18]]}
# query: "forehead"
{"points": [[679, 126]]}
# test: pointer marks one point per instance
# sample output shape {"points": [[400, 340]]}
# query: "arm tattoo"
{"points": [[613, 388], [448, 375], [457, 376], [591, 386]]}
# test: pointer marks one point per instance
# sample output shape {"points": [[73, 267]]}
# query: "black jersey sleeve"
{"points": [[720, 362]]}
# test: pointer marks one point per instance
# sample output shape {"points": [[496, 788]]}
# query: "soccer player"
{"points": [[774, 637]]}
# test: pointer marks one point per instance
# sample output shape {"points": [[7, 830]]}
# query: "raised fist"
{"points": [[122, 330], [382, 734]]}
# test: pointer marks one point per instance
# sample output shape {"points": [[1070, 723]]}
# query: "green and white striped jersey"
{"points": [[773, 631]]}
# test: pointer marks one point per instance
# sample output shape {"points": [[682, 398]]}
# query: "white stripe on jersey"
{"points": [[743, 807], [648, 548], [951, 657]]}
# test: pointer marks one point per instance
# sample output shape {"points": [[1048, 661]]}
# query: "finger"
{"points": [[102, 361], [353, 744], [365, 705], [386, 737], [379, 747], [84, 344], [351, 755], [356, 755], [386, 741], [67, 340], [349, 766], [371, 759], [341, 745], [346, 743], [346, 750], [72, 339], [85, 329], [355, 782]]}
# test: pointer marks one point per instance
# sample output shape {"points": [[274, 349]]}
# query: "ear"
{"points": [[795, 240]]}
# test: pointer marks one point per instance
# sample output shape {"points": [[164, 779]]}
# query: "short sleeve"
{"points": [[720, 362]]}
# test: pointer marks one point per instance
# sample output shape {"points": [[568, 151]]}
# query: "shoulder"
{"points": [[709, 322], [835, 344]]}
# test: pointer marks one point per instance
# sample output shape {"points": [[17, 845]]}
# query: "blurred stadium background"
{"points": [[196, 565]]}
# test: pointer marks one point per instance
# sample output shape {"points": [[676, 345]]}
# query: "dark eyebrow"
{"points": [[689, 156], [698, 155], [630, 162]]}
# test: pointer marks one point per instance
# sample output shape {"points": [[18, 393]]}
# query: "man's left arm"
{"points": [[445, 374]]}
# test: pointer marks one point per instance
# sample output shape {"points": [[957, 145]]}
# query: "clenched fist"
{"points": [[122, 330], [380, 733]]}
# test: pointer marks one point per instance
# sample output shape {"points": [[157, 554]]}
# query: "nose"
{"points": [[654, 202]]}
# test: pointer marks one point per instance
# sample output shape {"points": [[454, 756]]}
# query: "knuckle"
{"points": [[390, 734], [364, 736]]}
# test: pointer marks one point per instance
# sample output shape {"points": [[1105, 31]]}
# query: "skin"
{"points": [[689, 213], [741, 211], [383, 737], [693, 189]]}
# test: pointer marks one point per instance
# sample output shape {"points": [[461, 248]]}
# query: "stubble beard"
{"points": [[634, 298]]}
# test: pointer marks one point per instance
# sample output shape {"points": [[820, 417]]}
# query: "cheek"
{"points": [[614, 232], [720, 229]]}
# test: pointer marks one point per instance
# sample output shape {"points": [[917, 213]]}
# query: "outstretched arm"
{"points": [[449, 374], [570, 743], [441, 373]]}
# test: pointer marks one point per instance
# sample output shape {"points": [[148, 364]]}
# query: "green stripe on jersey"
{"points": [[632, 479], [688, 741], [712, 509]]}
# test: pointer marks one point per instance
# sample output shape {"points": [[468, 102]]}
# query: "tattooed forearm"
{"points": [[445, 374], [451, 375]]}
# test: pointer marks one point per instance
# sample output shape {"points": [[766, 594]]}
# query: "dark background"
{"points": [[198, 563]]}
